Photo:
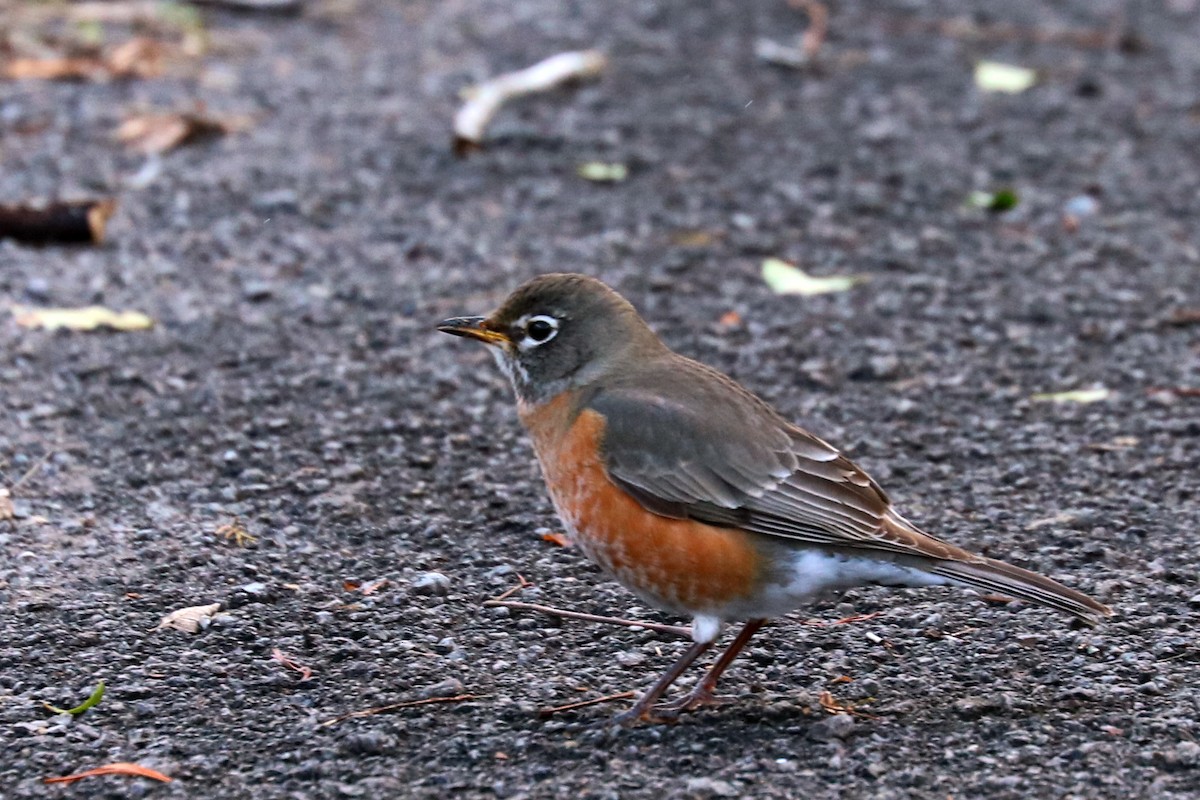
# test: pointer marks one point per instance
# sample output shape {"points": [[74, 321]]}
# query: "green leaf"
{"points": [[1077, 396], [993, 76], [785, 278], [998, 201], [600, 172], [97, 696]]}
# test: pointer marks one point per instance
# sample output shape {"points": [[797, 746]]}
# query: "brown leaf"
{"points": [[54, 69], [189, 620], [555, 538], [119, 768], [137, 58], [158, 132]]}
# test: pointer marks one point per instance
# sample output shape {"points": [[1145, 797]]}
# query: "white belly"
{"points": [[812, 573]]}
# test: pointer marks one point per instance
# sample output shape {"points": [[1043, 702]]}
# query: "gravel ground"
{"points": [[295, 383]]}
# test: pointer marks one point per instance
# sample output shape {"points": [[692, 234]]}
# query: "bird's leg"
{"points": [[643, 710], [704, 692]]}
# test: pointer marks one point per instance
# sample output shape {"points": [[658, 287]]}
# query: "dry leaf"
{"points": [[54, 69], [375, 586], [119, 768], [88, 318], [730, 319], [694, 238], [158, 133], [992, 76], [555, 538], [235, 531], [139, 57], [189, 620], [785, 278], [1077, 396]]}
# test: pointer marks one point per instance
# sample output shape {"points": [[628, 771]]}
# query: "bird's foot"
{"points": [[669, 713]]}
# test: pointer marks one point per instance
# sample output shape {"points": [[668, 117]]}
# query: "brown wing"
{"points": [[701, 447], [698, 446]]}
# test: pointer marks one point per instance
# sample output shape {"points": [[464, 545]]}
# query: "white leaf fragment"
{"points": [[994, 76], [484, 100], [189, 620], [1076, 396], [785, 278]]}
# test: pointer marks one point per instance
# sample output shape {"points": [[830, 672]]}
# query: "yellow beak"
{"points": [[472, 328]]}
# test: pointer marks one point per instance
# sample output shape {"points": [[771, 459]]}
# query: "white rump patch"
{"points": [[705, 628]]}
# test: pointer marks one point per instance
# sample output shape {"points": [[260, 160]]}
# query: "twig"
{"points": [[485, 100], [291, 663], [820, 623], [1178, 391], [260, 6], [548, 712], [834, 707], [558, 612], [507, 593], [29, 472], [369, 712], [8, 512], [818, 26], [1007, 32], [57, 223]]}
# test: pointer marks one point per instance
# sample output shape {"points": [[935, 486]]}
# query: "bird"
{"points": [[694, 493]]}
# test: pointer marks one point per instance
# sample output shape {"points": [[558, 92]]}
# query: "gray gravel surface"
{"points": [[295, 382]]}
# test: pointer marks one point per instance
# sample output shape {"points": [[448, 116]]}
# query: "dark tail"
{"points": [[996, 576]]}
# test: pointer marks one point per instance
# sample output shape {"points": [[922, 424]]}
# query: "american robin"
{"points": [[694, 493]]}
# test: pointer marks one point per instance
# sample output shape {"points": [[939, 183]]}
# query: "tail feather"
{"points": [[997, 576]]}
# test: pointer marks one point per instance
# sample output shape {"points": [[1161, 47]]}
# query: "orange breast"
{"points": [[680, 565]]}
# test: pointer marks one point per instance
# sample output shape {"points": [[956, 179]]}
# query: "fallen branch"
{"points": [[76, 222], [484, 100], [608, 698], [369, 712], [675, 630]]}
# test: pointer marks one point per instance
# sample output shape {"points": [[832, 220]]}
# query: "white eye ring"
{"points": [[539, 329]]}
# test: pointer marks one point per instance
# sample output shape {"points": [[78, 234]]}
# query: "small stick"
{"points": [[471, 121], [368, 712], [548, 712], [507, 593], [29, 472], [57, 223], [675, 630], [261, 6], [820, 623]]}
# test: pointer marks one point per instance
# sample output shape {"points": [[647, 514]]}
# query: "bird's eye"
{"points": [[539, 330]]}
